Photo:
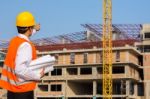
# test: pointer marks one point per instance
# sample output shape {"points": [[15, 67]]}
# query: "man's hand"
{"points": [[37, 27]]}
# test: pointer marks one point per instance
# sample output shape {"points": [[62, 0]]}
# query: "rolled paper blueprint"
{"points": [[39, 66], [46, 62], [42, 60]]}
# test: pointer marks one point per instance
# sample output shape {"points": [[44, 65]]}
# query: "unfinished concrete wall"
{"points": [[91, 57], [146, 65], [79, 88], [119, 56], [146, 61], [78, 58], [98, 57], [133, 58], [123, 56], [131, 72], [64, 59], [60, 59], [72, 89]]}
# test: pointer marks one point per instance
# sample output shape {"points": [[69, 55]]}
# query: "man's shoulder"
{"points": [[17, 39], [13, 38]]}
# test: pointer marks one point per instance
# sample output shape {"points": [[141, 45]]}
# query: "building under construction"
{"points": [[78, 72]]}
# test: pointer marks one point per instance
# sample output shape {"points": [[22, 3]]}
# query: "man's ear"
{"points": [[30, 31]]}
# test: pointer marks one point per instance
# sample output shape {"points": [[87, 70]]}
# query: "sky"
{"points": [[66, 16]]}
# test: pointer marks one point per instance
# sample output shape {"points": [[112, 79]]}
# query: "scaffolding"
{"points": [[125, 32]]}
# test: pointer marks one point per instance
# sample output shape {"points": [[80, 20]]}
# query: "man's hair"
{"points": [[23, 30]]}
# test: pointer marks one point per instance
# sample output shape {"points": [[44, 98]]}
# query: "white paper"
{"points": [[46, 62], [43, 59], [38, 64]]}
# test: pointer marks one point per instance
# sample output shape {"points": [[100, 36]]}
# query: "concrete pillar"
{"points": [[94, 97], [147, 90], [63, 97], [135, 89], [35, 91], [94, 71], [49, 87], [64, 59], [126, 71], [127, 89], [94, 88], [64, 72], [145, 87], [94, 58], [127, 56], [34, 95], [50, 73], [78, 70], [66, 90]]}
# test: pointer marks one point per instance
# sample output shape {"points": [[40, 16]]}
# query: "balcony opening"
{"points": [[85, 71], [101, 57], [116, 88], [56, 72], [131, 88], [117, 56], [118, 70], [72, 58], [140, 89], [81, 88], [147, 48], [47, 74], [99, 89], [85, 58], [141, 74], [57, 87], [1, 64], [147, 35], [140, 60], [2, 56], [72, 71], [43, 87], [100, 70]]}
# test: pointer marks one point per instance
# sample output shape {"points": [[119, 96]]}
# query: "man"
{"points": [[16, 77]]}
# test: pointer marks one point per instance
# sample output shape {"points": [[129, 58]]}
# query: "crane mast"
{"points": [[107, 49]]}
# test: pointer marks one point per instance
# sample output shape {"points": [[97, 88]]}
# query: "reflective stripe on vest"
{"points": [[11, 81]]}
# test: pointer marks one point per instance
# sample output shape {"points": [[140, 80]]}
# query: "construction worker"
{"points": [[16, 77]]}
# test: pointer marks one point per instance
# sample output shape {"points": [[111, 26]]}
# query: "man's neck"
{"points": [[27, 35], [24, 36]]}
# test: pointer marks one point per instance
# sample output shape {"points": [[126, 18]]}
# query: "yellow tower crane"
{"points": [[107, 49]]}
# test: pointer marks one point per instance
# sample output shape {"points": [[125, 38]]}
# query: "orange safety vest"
{"points": [[9, 79]]}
